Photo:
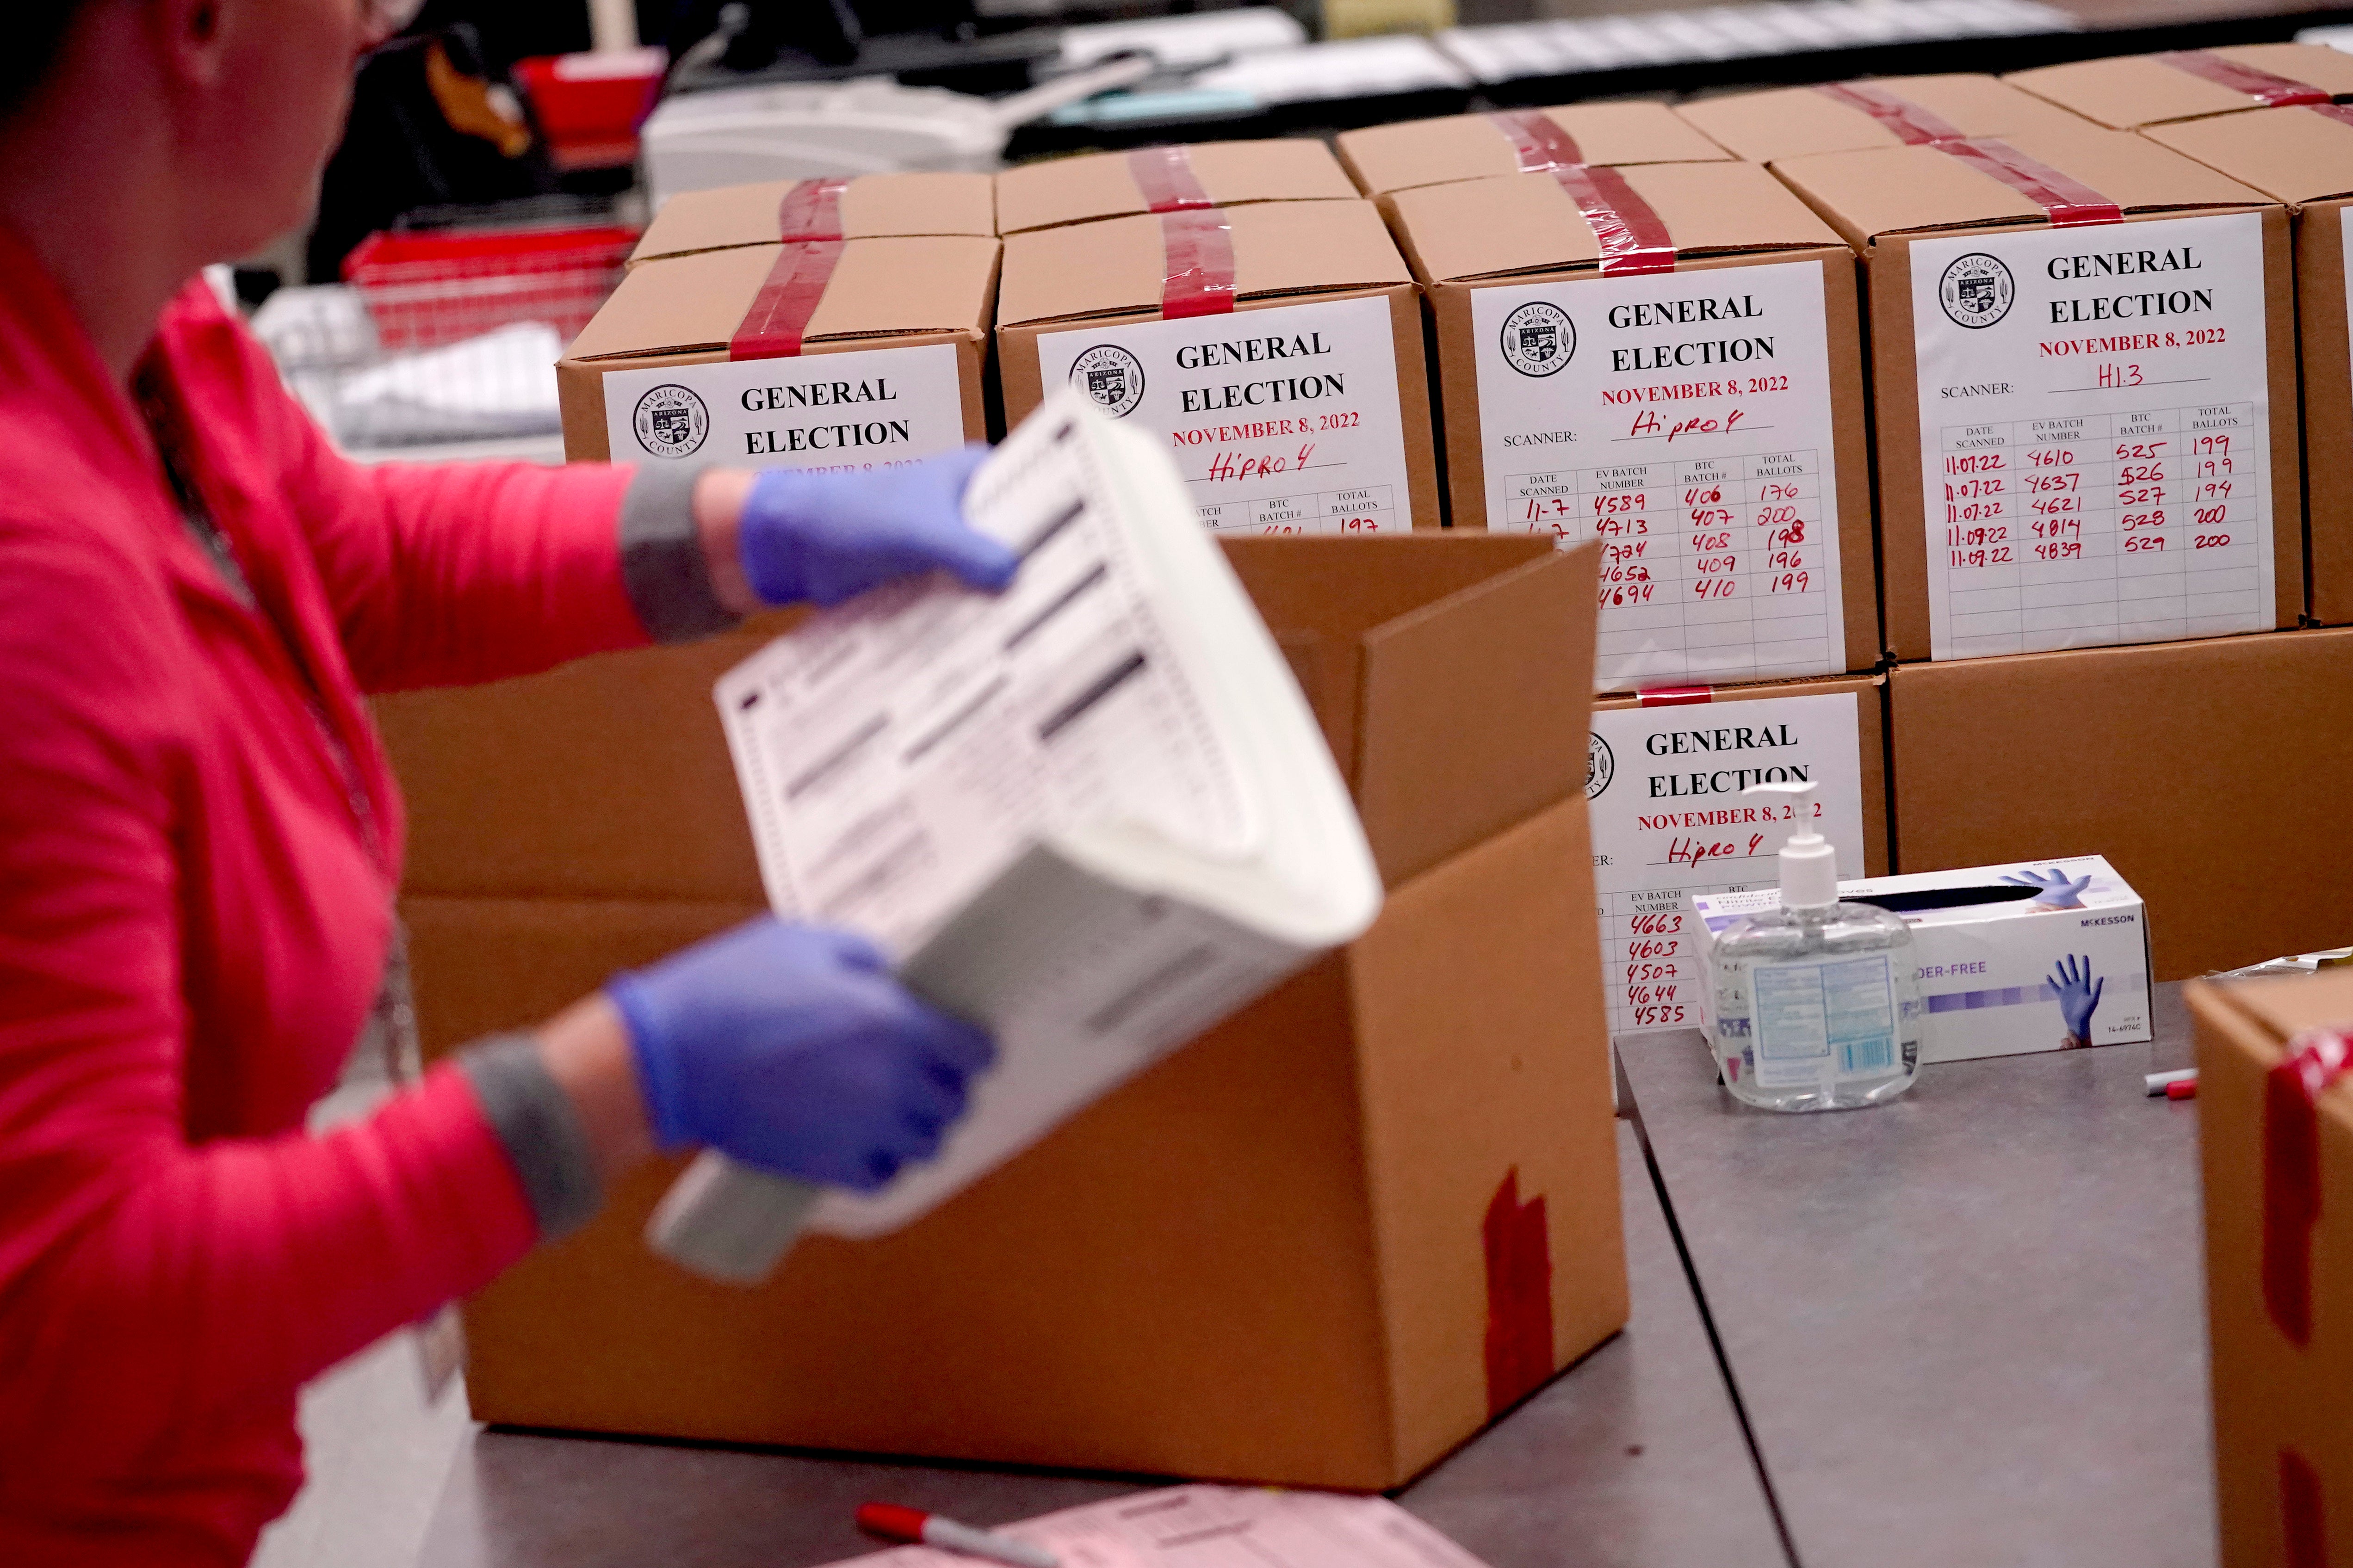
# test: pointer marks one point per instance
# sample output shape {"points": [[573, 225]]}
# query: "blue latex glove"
{"points": [[824, 538], [2059, 891], [2079, 994], [792, 1048]]}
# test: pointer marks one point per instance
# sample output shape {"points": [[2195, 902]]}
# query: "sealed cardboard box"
{"points": [[1320, 1246], [2133, 91], [1662, 782], [2275, 1141], [2084, 362], [822, 353], [1666, 359], [1519, 140], [2201, 770], [1167, 179], [1883, 112], [2304, 157], [866, 206], [1277, 346]]}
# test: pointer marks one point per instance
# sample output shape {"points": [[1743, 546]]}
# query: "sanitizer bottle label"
{"points": [[1824, 1020]]}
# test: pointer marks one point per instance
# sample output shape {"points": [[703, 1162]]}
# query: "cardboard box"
{"points": [[2275, 1142], [1662, 785], [1985, 950], [1481, 146], [1305, 1249], [1706, 424], [2068, 453], [2204, 772], [1098, 186], [2304, 157], [844, 354], [1883, 112], [1277, 346], [2133, 91], [869, 206]]}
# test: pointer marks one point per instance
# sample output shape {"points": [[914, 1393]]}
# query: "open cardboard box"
{"points": [[1098, 186], [869, 206], [1706, 425], [1790, 121], [1320, 1246], [2131, 91], [1479, 146]]}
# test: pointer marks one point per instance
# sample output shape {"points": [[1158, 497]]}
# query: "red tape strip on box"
{"points": [[811, 210], [780, 311], [2271, 91], [1165, 175], [1519, 1295], [2292, 1090], [2304, 1536], [1538, 140], [1915, 125], [1633, 236], [1672, 696], [1198, 248], [2064, 199], [2339, 112]]}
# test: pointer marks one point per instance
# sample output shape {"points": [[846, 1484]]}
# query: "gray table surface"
{"points": [[1967, 1328], [1633, 1459]]}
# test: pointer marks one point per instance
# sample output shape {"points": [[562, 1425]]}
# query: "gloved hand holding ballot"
{"points": [[1092, 815]]}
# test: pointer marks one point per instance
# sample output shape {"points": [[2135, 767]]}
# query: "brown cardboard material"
{"points": [[1791, 121], [1473, 147], [683, 311], [2201, 770], [1105, 184], [2277, 1409], [1261, 1259], [871, 206], [1098, 278], [1885, 201], [2133, 91], [1472, 235], [2305, 160]]}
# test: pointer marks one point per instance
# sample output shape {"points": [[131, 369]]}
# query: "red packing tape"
{"points": [[2337, 112], [2304, 1536], [1165, 175], [1198, 247], [780, 311], [1538, 140], [2064, 199], [1915, 125], [2316, 1058], [811, 210], [1672, 696], [1633, 238], [2269, 91], [1519, 1295]]}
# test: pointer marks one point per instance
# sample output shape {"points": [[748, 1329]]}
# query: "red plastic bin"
{"points": [[589, 106], [431, 287]]}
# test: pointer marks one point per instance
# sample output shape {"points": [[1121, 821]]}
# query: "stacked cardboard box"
{"points": [[869, 206], [1884, 111], [2134, 90], [1523, 140], [1165, 179]]}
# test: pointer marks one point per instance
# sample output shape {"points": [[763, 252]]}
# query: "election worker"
{"points": [[200, 839]]}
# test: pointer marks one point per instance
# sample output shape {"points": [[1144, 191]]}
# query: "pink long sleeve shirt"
{"points": [[195, 903]]}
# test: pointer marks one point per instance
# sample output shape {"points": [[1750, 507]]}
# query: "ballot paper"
{"points": [[1217, 1527], [1093, 813]]}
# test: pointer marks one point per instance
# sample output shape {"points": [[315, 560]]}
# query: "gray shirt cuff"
{"points": [[662, 563], [540, 1128]]}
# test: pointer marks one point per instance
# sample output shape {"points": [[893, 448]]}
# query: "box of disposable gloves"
{"points": [[2041, 955]]}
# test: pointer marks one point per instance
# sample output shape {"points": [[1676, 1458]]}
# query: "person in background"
{"points": [[200, 839]]}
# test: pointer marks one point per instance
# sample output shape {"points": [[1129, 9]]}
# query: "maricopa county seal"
{"points": [[1112, 376], [1975, 290], [670, 422], [1600, 767], [1538, 337]]}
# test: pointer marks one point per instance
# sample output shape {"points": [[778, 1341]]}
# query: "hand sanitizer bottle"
{"points": [[1817, 1003]]}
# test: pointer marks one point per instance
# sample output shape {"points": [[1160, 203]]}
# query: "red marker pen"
{"points": [[890, 1521]]}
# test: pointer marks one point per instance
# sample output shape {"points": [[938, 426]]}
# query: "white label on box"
{"points": [[1685, 420], [858, 410], [2095, 435], [1282, 420], [1662, 788]]}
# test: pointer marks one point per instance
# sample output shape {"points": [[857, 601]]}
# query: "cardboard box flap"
{"points": [[872, 206], [1472, 147], [692, 304], [1892, 190], [1792, 121], [1119, 264], [1105, 184], [2291, 154], [2145, 89], [1527, 223], [2281, 1006]]}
